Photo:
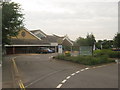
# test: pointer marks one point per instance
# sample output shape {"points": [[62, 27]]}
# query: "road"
{"points": [[41, 71]]}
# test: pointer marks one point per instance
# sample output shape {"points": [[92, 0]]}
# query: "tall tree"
{"points": [[81, 41], [88, 41], [117, 40], [12, 21]]}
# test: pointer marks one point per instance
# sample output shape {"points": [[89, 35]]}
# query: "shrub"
{"points": [[107, 52], [86, 60], [60, 57]]}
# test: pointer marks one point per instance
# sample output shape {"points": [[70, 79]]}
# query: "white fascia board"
{"points": [[67, 39], [40, 32], [25, 45], [54, 44], [32, 34]]}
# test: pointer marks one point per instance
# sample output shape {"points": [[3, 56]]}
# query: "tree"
{"points": [[88, 41], [106, 44], [117, 40], [98, 44], [12, 21], [81, 41]]}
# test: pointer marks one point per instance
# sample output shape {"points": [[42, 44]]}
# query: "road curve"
{"points": [[41, 71]]}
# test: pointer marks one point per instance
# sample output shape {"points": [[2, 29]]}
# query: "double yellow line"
{"points": [[21, 85]]}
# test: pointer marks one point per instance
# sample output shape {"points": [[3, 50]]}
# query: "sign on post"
{"points": [[59, 48], [86, 50]]}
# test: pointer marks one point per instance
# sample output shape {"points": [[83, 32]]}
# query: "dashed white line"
{"points": [[64, 81], [82, 69], [68, 77], [77, 71], [59, 86], [86, 68], [73, 74]]}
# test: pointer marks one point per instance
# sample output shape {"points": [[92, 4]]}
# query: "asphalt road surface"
{"points": [[41, 71]]}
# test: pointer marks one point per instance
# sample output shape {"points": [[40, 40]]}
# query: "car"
{"points": [[50, 51], [44, 50]]}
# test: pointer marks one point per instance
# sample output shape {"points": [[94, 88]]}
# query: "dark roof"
{"points": [[27, 42], [50, 38]]}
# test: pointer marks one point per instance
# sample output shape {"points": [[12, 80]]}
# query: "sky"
{"points": [[74, 18]]}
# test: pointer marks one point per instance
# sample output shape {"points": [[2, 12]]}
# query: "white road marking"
{"points": [[64, 81], [86, 68], [68, 77], [73, 74], [59, 86], [77, 71], [50, 57], [82, 69]]}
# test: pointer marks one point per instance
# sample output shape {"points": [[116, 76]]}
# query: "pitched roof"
{"points": [[27, 42], [47, 39], [50, 38], [32, 34], [38, 31]]}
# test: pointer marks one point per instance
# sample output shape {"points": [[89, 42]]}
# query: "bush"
{"points": [[86, 60], [107, 52], [114, 54], [60, 57]]}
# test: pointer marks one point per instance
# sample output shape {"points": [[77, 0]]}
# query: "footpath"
{"points": [[7, 77], [0, 76]]}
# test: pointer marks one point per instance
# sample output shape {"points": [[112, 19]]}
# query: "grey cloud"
{"points": [[76, 20]]}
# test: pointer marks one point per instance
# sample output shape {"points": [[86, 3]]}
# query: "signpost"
{"points": [[60, 49], [86, 50]]}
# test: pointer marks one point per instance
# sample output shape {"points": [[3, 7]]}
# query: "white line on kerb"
{"points": [[77, 71], [59, 86], [68, 77], [64, 81], [73, 74]]}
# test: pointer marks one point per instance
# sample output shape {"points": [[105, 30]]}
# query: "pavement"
{"points": [[41, 71], [7, 79], [0, 77]]}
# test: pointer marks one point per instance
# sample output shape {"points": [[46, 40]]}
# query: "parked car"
{"points": [[44, 50]]}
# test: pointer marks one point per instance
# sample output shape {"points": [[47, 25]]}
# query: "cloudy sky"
{"points": [[72, 17]]}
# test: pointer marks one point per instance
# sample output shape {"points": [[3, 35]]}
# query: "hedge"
{"points": [[86, 60]]}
